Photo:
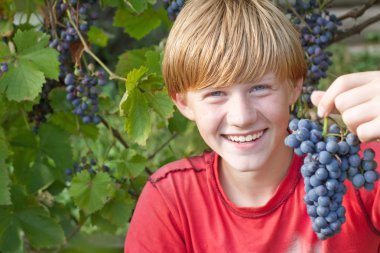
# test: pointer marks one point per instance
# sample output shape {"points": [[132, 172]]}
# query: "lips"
{"points": [[245, 138]]}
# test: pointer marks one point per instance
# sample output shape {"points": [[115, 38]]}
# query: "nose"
{"points": [[241, 111]]}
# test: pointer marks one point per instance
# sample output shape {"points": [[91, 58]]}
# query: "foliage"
{"points": [[66, 185]]}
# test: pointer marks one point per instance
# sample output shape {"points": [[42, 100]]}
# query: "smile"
{"points": [[245, 138]]}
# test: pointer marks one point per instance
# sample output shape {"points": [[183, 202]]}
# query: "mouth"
{"points": [[245, 138]]}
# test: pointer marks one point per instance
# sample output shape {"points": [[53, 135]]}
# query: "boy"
{"points": [[234, 67]]}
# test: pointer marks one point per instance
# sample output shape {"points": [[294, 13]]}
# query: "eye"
{"points": [[259, 87], [216, 93]]}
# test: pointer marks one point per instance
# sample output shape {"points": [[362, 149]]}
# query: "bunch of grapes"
{"points": [[317, 27], [173, 8], [89, 165], [329, 159], [84, 87], [39, 112], [83, 91]]}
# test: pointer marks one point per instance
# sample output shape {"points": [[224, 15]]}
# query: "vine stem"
{"points": [[87, 49]]}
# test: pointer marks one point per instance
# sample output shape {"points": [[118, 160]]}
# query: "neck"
{"points": [[255, 188]]}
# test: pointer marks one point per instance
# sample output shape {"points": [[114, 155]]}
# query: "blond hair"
{"points": [[221, 42]]}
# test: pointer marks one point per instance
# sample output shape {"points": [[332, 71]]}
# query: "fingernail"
{"points": [[321, 112]]}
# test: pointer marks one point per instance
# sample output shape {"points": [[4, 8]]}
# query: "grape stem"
{"points": [[87, 49], [325, 126]]}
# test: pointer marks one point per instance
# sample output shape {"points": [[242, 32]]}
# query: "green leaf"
{"points": [[90, 193], [153, 61], [161, 103], [41, 230], [4, 50], [178, 123], [134, 76], [137, 6], [138, 123], [135, 166], [119, 209], [10, 237], [55, 143], [39, 177], [132, 59], [29, 41], [23, 81], [5, 195], [97, 36], [45, 60], [6, 28], [137, 26], [4, 149], [69, 122]]}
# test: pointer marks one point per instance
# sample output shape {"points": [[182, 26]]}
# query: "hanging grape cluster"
{"points": [[173, 7], [317, 27], [84, 87], [86, 164], [330, 159]]}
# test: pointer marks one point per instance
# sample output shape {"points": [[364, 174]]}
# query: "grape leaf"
{"points": [[90, 193], [137, 26], [138, 122], [119, 209], [5, 195], [55, 143], [45, 60], [4, 50], [40, 229], [97, 36], [153, 61], [134, 76], [129, 60], [22, 82], [135, 166], [69, 122], [4, 149], [10, 237], [137, 6], [30, 41], [6, 28], [161, 103]]}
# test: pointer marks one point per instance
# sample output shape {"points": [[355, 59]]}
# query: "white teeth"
{"points": [[245, 138]]}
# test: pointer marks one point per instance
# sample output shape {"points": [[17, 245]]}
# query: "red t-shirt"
{"points": [[183, 208]]}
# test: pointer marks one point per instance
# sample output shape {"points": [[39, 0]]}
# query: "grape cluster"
{"points": [[173, 8], [83, 91], [329, 160], [317, 27], [89, 165], [3, 68], [39, 112]]}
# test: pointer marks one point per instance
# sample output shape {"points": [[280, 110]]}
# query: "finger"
{"points": [[341, 84], [355, 96], [316, 96], [360, 114], [369, 131]]}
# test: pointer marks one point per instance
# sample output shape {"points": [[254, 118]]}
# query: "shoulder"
{"points": [[188, 165]]}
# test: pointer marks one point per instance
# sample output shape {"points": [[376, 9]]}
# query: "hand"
{"points": [[357, 98]]}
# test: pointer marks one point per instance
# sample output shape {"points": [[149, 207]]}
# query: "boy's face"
{"points": [[246, 124]]}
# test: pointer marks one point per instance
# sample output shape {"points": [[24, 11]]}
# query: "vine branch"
{"points": [[115, 133], [359, 10], [355, 29]]}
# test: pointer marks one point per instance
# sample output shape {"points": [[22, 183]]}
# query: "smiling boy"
{"points": [[235, 68]]}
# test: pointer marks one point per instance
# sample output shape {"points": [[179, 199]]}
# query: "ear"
{"points": [[296, 92], [182, 103]]}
